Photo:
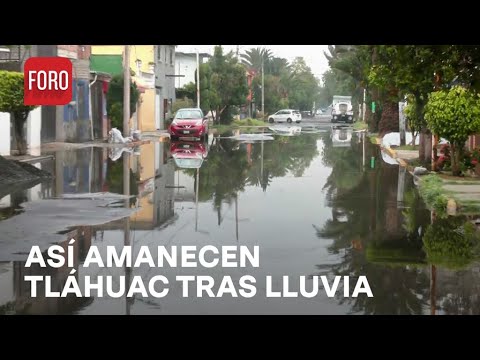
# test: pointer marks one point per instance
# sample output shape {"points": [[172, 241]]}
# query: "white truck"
{"points": [[342, 109]]}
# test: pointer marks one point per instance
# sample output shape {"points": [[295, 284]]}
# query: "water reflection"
{"points": [[367, 220]]}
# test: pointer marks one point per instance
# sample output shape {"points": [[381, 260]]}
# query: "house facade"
{"points": [[164, 83], [186, 65]]}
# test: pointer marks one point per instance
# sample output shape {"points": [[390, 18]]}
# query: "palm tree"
{"points": [[254, 58]]}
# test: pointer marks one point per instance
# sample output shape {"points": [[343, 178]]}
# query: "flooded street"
{"points": [[322, 202]]}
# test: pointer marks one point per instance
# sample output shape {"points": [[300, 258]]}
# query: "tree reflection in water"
{"points": [[233, 165], [366, 230]]}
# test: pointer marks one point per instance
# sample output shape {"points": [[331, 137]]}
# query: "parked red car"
{"points": [[189, 123], [189, 154]]}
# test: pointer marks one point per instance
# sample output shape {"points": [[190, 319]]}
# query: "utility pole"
{"points": [[263, 90], [364, 107], [126, 91], [198, 80]]}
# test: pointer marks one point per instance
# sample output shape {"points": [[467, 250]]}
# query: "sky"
{"points": [[313, 54]]}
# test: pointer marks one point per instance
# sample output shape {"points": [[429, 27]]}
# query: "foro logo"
{"points": [[47, 81]]}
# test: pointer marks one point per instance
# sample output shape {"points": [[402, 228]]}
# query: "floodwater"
{"points": [[315, 204]]}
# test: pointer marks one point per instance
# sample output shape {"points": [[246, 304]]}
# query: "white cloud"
{"points": [[313, 54]]}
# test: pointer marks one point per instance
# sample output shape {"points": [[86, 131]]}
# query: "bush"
{"points": [[452, 242], [115, 101], [454, 114], [468, 159], [433, 194], [182, 103]]}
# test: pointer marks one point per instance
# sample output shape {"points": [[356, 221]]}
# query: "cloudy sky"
{"points": [[313, 54]]}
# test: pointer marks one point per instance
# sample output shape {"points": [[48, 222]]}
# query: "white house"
{"points": [[185, 66]]}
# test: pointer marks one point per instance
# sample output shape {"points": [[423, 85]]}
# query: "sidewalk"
{"points": [[54, 146], [29, 158], [464, 191]]}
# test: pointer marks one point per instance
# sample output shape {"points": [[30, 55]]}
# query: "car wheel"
{"points": [[289, 120], [298, 122], [271, 120]]}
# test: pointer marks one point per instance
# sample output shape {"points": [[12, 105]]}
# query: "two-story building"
{"points": [[186, 66]]}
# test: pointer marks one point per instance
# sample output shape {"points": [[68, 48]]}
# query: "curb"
{"points": [[452, 204], [392, 153]]}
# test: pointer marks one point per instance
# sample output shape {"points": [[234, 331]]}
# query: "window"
{"points": [[189, 114], [159, 53], [171, 57], [165, 52]]}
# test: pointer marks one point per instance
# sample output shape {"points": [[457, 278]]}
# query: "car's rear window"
{"points": [[189, 114]]}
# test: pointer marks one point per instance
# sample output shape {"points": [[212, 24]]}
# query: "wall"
{"points": [[165, 85], [76, 119], [4, 134], [185, 65], [143, 52], [146, 112], [34, 126]]}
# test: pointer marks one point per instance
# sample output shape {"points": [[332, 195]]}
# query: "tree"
{"points": [[455, 115], [255, 58], [223, 85], [414, 119], [188, 90], [115, 101], [304, 87], [11, 101]]}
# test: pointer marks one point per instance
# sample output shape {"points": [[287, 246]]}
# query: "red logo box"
{"points": [[47, 81]]}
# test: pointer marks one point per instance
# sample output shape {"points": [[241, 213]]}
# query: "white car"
{"points": [[286, 115]]}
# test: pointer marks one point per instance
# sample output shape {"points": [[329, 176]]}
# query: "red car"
{"points": [[189, 123], [189, 154]]}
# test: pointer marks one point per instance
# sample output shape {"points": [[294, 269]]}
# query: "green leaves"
{"points": [[453, 114], [11, 93], [115, 100], [451, 242]]}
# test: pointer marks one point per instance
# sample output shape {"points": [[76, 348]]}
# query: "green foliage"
{"points": [[453, 114], [303, 90], [11, 93], [115, 101], [256, 57], [187, 91], [182, 103], [451, 242], [223, 84], [335, 82], [413, 115], [433, 194], [249, 122]]}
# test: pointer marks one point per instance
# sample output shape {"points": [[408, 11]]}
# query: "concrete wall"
{"points": [[146, 111], [33, 133], [34, 126], [4, 134], [164, 83], [185, 65]]}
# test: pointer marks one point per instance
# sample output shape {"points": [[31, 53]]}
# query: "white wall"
{"points": [[185, 66], [6, 283], [4, 134], [34, 128], [35, 193], [5, 202]]}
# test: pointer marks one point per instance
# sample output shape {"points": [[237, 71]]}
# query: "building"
{"points": [[71, 122], [165, 76], [153, 69], [185, 67]]}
